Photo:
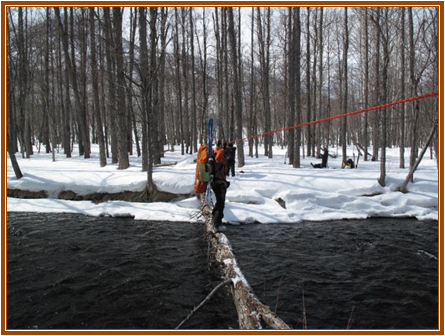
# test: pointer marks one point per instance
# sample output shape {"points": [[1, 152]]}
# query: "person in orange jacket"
{"points": [[219, 185]]}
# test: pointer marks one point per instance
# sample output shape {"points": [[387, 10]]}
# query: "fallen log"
{"points": [[18, 193], [167, 164], [251, 312], [148, 194]]}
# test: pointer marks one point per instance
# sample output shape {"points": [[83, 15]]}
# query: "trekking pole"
{"points": [[209, 157]]}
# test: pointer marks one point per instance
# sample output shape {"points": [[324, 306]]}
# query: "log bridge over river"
{"points": [[252, 314]]}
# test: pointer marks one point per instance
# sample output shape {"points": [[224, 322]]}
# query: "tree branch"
{"points": [[222, 284]]}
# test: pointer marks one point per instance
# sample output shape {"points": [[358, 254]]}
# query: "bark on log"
{"points": [[251, 312], [165, 164]]}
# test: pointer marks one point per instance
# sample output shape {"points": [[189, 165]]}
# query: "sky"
{"points": [[308, 194]]}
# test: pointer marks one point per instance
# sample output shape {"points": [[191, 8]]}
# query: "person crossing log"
{"points": [[251, 312]]}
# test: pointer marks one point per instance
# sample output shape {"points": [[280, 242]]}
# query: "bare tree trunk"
{"points": [[145, 87], [11, 84], [67, 109], [73, 78], [192, 51], [178, 81], [154, 156], [11, 115], [292, 61], [153, 111], [103, 102], [205, 92], [95, 82], [131, 118], [240, 67], [377, 99], [345, 83], [47, 106], [219, 72], [252, 87], [270, 137], [225, 48], [77, 113], [309, 136], [186, 117], [402, 89], [385, 40], [55, 117], [320, 74], [237, 89], [83, 117], [164, 30], [15, 166], [111, 84], [316, 141], [264, 45], [124, 161], [365, 131], [328, 105], [23, 84], [412, 55], [297, 28], [436, 72]]}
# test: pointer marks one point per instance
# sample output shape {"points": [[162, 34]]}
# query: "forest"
{"points": [[148, 79]]}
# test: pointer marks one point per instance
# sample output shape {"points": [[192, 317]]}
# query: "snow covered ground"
{"points": [[308, 194]]}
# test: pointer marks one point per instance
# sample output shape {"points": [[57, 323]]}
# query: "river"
{"points": [[68, 271]]}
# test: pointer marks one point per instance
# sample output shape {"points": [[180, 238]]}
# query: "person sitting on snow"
{"points": [[230, 156], [324, 160], [219, 185], [349, 163]]}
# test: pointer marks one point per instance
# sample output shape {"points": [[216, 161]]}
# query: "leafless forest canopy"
{"points": [[142, 78]]}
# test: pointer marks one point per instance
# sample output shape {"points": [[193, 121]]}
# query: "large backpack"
{"points": [[203, 170], [219, 171], [219, 164]]}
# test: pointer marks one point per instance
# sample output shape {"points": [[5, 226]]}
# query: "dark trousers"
{"points": [[220, 189], [231, 167]]}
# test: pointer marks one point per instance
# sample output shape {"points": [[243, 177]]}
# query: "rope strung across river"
{"points": [[372, 108]]}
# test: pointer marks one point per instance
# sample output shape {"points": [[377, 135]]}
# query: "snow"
{"points": [[307, 194]]}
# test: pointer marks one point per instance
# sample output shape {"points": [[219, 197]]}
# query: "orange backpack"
{"points": [[201, 158]]}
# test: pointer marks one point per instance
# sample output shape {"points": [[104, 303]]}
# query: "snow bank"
{"points": [[264, 190]]}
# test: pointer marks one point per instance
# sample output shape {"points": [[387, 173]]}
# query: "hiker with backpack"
{"points": [[230, 156], [213, 171], [219, 185]]}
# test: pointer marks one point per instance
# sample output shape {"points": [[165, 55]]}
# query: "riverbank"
{"points": [[264, 190]]}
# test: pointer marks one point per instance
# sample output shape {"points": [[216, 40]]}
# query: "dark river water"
{"points": [[70, 271]]}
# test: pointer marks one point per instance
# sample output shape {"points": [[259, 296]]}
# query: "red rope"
{"points": [[339, 116]]}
